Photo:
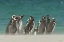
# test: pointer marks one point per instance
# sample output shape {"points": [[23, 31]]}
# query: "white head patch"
{"points": [[13, 15], [30, 18], [53, 18]]}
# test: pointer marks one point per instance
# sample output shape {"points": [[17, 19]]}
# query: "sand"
{"points": [[31, 38]]}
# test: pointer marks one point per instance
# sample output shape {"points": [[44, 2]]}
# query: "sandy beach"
{"points": [[31, 38]]}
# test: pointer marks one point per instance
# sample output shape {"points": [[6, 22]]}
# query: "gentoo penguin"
{"points": [[51, 26], [29, 26], [41, 25], [11, 28]]}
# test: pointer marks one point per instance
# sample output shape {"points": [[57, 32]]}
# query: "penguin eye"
{"points": [[53, 21]]}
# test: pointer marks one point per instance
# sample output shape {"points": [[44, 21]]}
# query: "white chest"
{"points": [[20, 25]]}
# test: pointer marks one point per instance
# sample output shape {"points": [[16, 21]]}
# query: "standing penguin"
{"points": [[41, 26], [51, 26], [14, 21], [29, 26], [19, 23], [11, 28], [47, 21]]}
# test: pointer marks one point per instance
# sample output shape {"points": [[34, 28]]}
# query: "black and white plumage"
{"points": [[29, 26], [14, 24], [51, 26], [41, 26], [19, 23], [11, 28], [48, 20]]}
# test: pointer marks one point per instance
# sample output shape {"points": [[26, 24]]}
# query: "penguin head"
{"points": [[21, 16], [43, 17], [31, 18], [13, 16], [53, 19], [47, 15]]}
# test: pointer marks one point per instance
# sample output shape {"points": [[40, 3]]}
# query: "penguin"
{"points": [[41, 26], [51, 26], [19, 23], [29, 25], [14, 21], [10, 27]]}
